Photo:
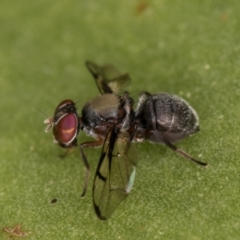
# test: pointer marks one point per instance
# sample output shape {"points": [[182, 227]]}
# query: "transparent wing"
{"points": [[115, 173], [108, 78]]}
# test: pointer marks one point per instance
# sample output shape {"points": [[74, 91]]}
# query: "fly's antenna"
{"points": [[42, 112]]}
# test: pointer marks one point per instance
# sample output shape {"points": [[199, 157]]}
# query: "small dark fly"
{"points": [[112, 122]]}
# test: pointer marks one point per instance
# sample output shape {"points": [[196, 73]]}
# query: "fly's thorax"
{"points": [[101, 109], [101, 113]]}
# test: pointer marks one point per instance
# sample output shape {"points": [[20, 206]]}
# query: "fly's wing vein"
{"points": [[115, 173]]}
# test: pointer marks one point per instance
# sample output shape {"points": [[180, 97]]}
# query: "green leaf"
{"points": [[189, 48]]}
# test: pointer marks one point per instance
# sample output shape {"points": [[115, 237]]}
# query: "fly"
{"points": [[110, 119]]}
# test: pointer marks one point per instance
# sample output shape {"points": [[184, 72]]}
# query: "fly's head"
{"points": [[65, 123]]}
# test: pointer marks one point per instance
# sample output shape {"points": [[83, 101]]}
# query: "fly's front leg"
{"points": [[85, 161]]}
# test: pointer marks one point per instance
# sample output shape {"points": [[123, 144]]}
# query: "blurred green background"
{"points": [[188, 48]]}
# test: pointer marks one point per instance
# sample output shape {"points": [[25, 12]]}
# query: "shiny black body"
{"points": [[164, 115], [112, 122]]}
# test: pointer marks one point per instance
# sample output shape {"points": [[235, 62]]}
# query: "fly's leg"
{"points": [[85, 161], [184, 154]]}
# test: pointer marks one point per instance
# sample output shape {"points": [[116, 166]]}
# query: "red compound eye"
{"points": [[66, 123], [66, 129]]}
